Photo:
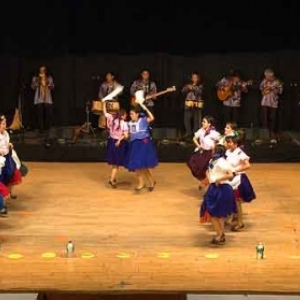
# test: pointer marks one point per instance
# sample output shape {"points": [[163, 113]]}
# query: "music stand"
{"points": [[87, 126]]}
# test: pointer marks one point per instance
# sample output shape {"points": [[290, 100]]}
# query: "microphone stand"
{"points": [[21, 102]]}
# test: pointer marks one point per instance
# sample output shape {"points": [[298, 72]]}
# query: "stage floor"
{"points": [[146, 242]]}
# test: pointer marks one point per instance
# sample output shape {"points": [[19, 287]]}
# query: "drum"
{"points": [[189, 103], [198, 104], [97, 107], [111, 106], [102, 121]]}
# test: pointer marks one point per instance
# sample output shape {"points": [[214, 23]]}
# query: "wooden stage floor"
{"points": [[149, 242]]}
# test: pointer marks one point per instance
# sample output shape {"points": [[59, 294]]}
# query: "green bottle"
{"points": [[260, 248]]}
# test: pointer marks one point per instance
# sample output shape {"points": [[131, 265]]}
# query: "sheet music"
{"points": [[114, 93]]}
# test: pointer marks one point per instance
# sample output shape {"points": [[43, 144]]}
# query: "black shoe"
{"points": [[238, 228], [13, 197], [112, 184], [220, 241], [151, 188]]}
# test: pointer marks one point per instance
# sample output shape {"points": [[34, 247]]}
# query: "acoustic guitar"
{"points": [[269, 88], [168, 90], [227, 91]]}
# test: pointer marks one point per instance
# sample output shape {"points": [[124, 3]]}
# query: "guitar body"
{"points": [[227, 91], [168, 90], [224, 93], [132, 101], [266, 91]]}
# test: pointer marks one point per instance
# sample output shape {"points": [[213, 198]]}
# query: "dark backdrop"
{"points": [[77, 79]]}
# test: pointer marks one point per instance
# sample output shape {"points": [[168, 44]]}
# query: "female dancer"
{"points": [[230, 129], [205, 140], [117, 146], [243, 189], [10, 175], [142, 155], [4, 191], [219, 200]]}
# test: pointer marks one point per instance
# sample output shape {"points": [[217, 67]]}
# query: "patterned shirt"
{"points": [[149, 88], [271, 98], [238, 89], [106, 88], [42, 93], [194, 94]]}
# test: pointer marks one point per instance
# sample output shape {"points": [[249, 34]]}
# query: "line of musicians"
{"points": [[229, 90]]}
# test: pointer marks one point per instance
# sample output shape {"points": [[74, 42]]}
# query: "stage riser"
{"points": [[256, 133], [172, 134], [85, 152]]}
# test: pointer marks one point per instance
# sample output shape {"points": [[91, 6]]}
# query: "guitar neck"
{"points": [[156, 95]]}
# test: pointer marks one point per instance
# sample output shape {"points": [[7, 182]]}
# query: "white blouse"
{"points": [[236, 158], [208, 141], [219, 169], [4, 142]]}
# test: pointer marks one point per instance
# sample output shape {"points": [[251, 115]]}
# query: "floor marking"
{"points": [[87, 255], [48, 255], [15, 256], [163, 255], [211, 255], [123, 255], [295, 257]]}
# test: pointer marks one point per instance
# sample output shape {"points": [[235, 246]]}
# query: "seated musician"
{"points": [[271, 88], [193, 104], [233, 103], [149, 87]]}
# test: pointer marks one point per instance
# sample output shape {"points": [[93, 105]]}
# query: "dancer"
{"points": [[219, 200], [10, 175], [142, 155], [4, 192], [243, 189], [117, 146], [230, 129], [205, 140]]}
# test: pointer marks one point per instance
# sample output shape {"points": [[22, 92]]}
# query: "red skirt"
{"points": [[4, 191], [16, 179]]}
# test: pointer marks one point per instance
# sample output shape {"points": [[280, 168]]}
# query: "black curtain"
{"points": [[77, 80]]}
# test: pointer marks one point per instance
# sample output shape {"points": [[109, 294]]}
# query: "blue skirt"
{"points": [[245, 189], [116, 155], [141, 155], [8, 170], [219, 201]]}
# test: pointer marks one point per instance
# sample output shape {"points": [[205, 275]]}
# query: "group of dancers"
{"points": [[130, 145], [220, 164], [11, 168]]}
